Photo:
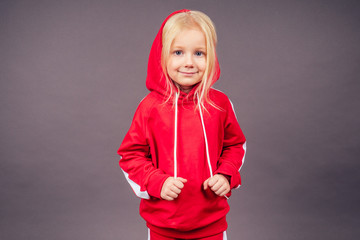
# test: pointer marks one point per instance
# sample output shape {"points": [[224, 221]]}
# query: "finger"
{"points": [[169, 198], [166, 196], [178, 184], [175, 189], [226, 191], [217, 186], [172, 194], [213, 181], [183, 180], [221, 190], [222, 194]]}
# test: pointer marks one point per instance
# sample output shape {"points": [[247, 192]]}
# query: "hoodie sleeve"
{"points": [[135, 160], [234, 148]]}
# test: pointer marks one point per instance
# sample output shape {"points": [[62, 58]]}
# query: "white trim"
{"points": [[224, 235], [232, 105], [148, 233], [243, 160], [218, 90], [136, 188], [244, 145]]}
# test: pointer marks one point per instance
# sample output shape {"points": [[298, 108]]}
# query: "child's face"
{"points": [[187, 61]]}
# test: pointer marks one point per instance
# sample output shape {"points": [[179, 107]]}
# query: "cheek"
{"points": [[171, 70], [202, 65], [172, 65], [169, 66]]}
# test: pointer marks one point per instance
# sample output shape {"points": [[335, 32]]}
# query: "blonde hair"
{"points": [[191, 20]]}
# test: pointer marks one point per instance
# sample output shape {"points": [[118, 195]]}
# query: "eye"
{"points": [[199, 53], [178, 52]]}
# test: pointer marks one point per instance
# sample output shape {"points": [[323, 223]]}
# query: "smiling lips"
{"points": [[188, 73]]}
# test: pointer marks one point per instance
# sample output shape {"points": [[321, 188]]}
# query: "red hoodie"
{"points": [[206, 144]]}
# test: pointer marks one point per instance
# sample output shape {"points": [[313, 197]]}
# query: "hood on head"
{"points": [[155, 79]]}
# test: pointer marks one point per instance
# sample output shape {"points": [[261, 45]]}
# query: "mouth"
{"points": [[188, 73]]}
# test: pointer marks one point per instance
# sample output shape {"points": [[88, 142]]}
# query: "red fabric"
{"points": [[211, 229], [148, 148], [156, 236]]}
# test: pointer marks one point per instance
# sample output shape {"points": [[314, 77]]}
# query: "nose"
{"points": [[189, 61]]}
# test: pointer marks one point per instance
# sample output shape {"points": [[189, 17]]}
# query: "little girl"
{"points": [[184, 149]]}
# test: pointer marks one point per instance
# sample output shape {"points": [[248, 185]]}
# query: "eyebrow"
{"points": [[197, 48], [202, 49]]}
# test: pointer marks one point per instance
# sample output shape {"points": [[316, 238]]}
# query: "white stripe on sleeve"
{"points": [[243, 160], [224, 235], [136, 188]]}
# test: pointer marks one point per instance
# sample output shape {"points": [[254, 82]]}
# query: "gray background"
{"points": [[73, 72]]}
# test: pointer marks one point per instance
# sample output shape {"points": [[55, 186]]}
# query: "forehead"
{"points": [[190, 37]]}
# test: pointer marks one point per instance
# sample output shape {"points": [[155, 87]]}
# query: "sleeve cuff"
{"points": [[155, 184], [229, 170]]}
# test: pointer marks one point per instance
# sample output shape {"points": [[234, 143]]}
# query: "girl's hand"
{"points": [[218, 184], [172, 188]]}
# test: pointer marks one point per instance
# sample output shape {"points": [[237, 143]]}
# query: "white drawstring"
{"points": [[205, 137], [206, 142], [175, 135]]}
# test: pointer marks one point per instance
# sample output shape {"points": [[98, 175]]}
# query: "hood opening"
{"points": [[156, 79]]}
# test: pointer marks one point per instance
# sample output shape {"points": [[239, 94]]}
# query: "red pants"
{"points": [[155, 236]]}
